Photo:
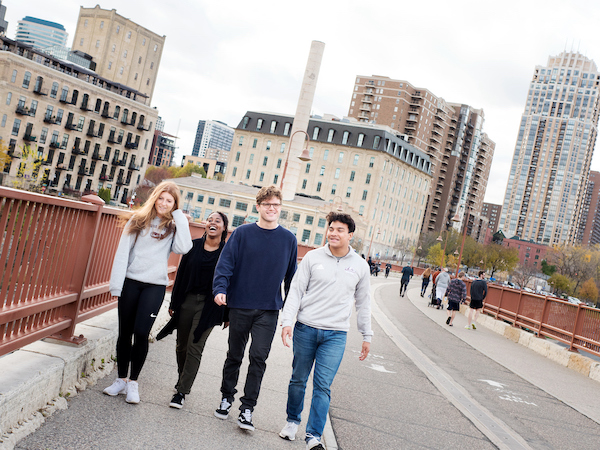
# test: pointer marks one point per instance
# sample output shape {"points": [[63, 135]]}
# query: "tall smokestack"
{"points": [[305, 101]]}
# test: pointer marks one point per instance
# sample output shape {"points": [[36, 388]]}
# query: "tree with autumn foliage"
{"points": [[154, 175], [588, 291]]}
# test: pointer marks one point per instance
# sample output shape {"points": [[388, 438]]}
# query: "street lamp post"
{"points": [[370, 243], [304, 156]]}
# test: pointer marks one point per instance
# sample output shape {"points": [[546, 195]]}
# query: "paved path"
{"points": [[425, 385]]}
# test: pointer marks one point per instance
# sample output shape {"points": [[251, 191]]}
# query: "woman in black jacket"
{"points": [[193, 311]]}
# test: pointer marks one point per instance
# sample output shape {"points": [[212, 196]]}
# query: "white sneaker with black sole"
{"points": [[289, 431], [177, 401], [222, 412], [245, 420]]}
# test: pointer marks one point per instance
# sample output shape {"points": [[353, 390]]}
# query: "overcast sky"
{"points": [[223, 58]]}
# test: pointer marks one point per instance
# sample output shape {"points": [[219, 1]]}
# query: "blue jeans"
{"points": [[324, 348]]}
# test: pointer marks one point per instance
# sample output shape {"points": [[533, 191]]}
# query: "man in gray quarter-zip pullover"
{"points": [[329, 280]]}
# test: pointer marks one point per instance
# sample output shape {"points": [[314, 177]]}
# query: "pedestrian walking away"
{"points": [[441, 285], [426, 275], [193, 311], [478, 294], [328, 282], [388, 267], [457, 294], [139, 278], [257, 258], [407, 274]]}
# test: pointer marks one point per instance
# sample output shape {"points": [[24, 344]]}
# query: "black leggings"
{"points": [[138, 306]]}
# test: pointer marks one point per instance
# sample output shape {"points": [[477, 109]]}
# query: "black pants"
{"points": [[138, 306], [403, 285], [261, 326]]}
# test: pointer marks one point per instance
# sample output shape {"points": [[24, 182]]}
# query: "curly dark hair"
{"points": [[343, 218]]}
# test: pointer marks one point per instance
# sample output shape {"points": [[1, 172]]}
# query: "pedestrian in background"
{"points": [[388, 267], [426, 275], [193, 311], [257, 258], [441, 285], [407, 274], [478, 294], [329, 281], [457, 294], [139, 278]]}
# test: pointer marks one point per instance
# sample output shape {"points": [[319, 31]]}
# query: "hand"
{"points": [[364, 351], [221, 299], [225, 325], [286, 333], [171, 312]]}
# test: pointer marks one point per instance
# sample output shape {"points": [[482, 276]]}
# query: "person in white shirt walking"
{"points": [[328, 282]]}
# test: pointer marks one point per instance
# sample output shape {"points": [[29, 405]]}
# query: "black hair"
{"points": [[225, 225], [481, 272], [343, 218]]}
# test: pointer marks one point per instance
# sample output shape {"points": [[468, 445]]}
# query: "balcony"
{"points": [[22, 110], [132, 145], [112, 140], [133, 166], [116, 162], [105, 114], [54, 144], [78, 151], [63, 100], [82, 171], [103, 177], [70, 126], [365, 107], [141, 127], [121, 181], [85, 107], [91, 133], [51, 119], [61, 167], [29, 137], [367, 99], [124, 122], [96, 156], [39, 91]]}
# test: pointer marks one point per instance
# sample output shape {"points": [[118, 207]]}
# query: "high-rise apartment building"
{"points": [[124, 51], [588, 232], [492, 212], [3, 22], [163, 149], [88, 132], [548, 177], [365, 166], [41, 33], [213, 140], [451, 134]]}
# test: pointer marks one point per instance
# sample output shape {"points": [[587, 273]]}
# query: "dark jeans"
{"points": [[261, 326], [403, 285], [137, 309], [424, 285], [189, 353]]}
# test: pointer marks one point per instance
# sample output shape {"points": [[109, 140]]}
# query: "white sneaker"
{"points": [[313, 443], [467, 327], [289, 431], [133, 395], [119, 386]]}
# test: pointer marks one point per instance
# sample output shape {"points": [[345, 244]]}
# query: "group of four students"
{"points": [[239, 284]]}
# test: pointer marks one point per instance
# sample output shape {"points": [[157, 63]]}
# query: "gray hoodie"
{"points": [[443, 280], [324, 289], [145, 259]]}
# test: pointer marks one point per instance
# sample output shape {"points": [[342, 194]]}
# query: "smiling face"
{"points": [[214, 225], [164, 204], [269, 210], [339, 238]]}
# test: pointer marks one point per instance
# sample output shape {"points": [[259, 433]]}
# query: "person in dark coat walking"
{"points": [[478, 295], [407, 274], [388, 267], [457, 294]]}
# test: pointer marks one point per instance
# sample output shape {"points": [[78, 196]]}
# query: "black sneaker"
{"points": [[245, 420], [223, 411], [177, 401], [448, 321]]}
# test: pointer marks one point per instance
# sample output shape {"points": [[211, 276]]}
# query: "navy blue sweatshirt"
{"points": [[252, 266]]}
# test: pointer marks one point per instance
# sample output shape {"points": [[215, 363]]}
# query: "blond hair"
{"points": [[140, 219], [267, 192]]}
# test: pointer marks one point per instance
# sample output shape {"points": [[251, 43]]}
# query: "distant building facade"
{"points": [[369, 168], [41, 33], [548, 176], [124, 51], [163, 149], [451, 134], [89, 132], [3, 22], [492, 211], [213, 140], [212, 167], [589, 223], [530, 253]]}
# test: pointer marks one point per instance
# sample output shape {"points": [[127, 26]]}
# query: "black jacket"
{"points": [[185, 282]]}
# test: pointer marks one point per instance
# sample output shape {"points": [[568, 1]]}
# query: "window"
{"points": [[129, 35], [151, 65], [261, 177], [140, 60], [307, 170], [355, 162], [273, 126], [325, 155], [319, 186], [296, 217], [114, 47], [118, 29], [361, 138], [305, 236], [237, 221], [4, 117], [251, 159], [241, 206], [254, 143], [321, 223], [54, 90], [121, 70], [237, 156], [337, 173], [125, 54], [282, 148], [333, 189], [322, 171], [14, 76], [225, 203], [318, 239], [241, 141], [265, 159], [348, 192], [309, 220], [248, 174], [345, 137], [102, 24], [8, 98], [245, 122], [155, 47], [279, 163], [200, 198], [361, 210], [234, 171], [211, 200], [98, 43], [286, 129], [376, 142], [341, 157], [16, 126], [304, 184], [259, 123], [330, 135], [368, 180], [275, 178], [109, 65], [364, 197], [372, 161], [26, 80], [268, 145], [352, 174], [315, 135]]}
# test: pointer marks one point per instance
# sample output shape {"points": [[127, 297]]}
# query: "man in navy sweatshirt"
{"points": [[248, 276], [329, 282]]}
